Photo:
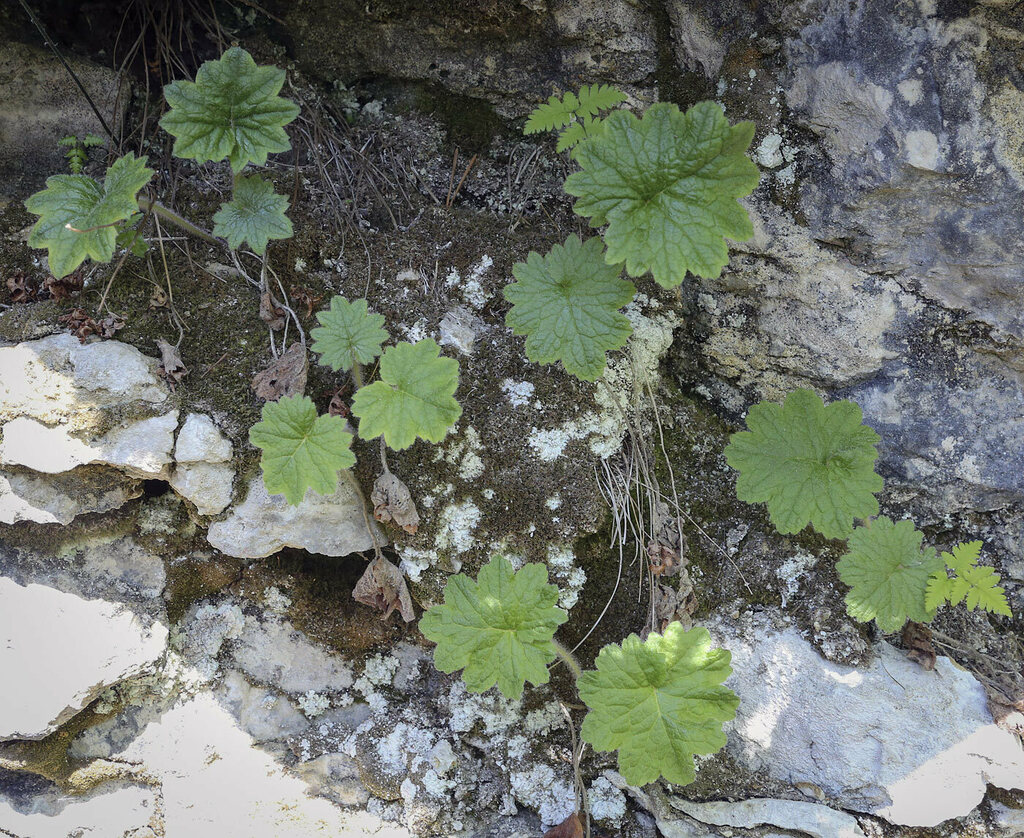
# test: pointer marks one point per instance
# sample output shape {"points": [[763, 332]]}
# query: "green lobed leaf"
{"points": [[231, 110], [85, 204], [567, 304], [300, 449], [977, 586], [255, 214], [666, 186], [659, 702], [498, 629], [414, 397], [888, 574], [348, 334], [810, 464]]}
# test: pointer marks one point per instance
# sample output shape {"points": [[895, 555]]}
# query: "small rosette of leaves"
{"points": [[659, 702], [567, 304], [498, 629], [810, 463], [414, 397], [80, 218], [888, 574], [977, 586], [667, 187], [255, 214], [300, 449], [348, 334], [231, 111]]}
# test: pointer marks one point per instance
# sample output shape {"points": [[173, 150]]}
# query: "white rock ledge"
{"points": [[58, 652], [262, 525]]}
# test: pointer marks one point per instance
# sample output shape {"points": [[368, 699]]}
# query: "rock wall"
{"points": [[204, 667]]}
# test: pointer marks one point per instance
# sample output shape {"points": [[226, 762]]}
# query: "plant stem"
{"points": [[147, 204], [567, 658], [357, 375], [371, 525]]}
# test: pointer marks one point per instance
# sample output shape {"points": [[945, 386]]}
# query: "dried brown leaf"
{"points": [[158, 299], [382, 586], [392, 501], [80, 324], [171, 366], [60, 289], [918, 640], [569, 828], [110, 324], [338, 405], [22, 288], [271, 312], [284, 376]]}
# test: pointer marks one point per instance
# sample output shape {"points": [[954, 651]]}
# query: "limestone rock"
{"points": [[58, 652], [207, 485], [273, 652], [142, 448], [262, 525], [116, 809], [891, 739], [201, 441], [811, 819], [41, 105], [56, 378], [58, 499]]}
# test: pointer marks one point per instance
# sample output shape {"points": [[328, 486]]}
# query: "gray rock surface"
{"points": [[117, 810], [58, 499], [332, 525], [41, 105], [58, 652], [805, 818], [858, 734]]}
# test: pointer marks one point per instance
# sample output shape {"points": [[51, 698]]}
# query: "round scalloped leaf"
{"points": [[231, 110], [498, 629], [89, 207], [888, 574], [810, 464], [348, 334], [414, 397], [666, 185], [567, 304], [255, 214], [300, 449], [659, 702]]}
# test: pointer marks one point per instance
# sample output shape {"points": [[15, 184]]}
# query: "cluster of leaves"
{"points": [[76, 150], [657, 702], [665, 187], [231, 111], [414, 399], [813, 464]]}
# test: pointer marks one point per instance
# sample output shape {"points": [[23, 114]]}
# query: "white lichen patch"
{"points": [[541, 789], [417, 331], [492, 710], [792, 570], [553, 502], [569, 578], [313, 704], [455, 526], [415, 561], [276, 601], [518, 393], [465, 453], [607, 802]]}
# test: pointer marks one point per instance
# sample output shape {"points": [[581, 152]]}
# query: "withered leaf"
{"points": [[80, 324], [64, 287], [392, 501], [569, 828], [21, 287], [918, 640], [284, 376], [171, 366], [110, 324], [382, 586], [338, 405], [158, 299], [271, 312]]}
